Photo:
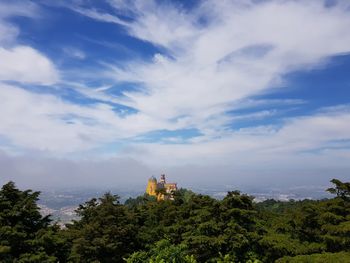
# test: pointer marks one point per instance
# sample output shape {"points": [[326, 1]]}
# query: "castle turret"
{"points": [[152, 186], [162, 179]]}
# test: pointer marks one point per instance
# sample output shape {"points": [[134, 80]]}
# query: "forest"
{"points": [[192, 228]]}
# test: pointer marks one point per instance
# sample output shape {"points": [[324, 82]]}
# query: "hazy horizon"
{"points": [[61, 174]]}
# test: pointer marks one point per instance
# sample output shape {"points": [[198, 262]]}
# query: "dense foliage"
{"points": [[26, 236], [192, 228]]}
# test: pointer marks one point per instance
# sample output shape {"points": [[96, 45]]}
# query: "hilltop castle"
{"points": [[162, 190]]}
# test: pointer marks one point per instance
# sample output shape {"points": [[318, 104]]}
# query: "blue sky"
{"points": [[226, 85]]}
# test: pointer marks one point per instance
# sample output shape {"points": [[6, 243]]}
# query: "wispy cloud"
{"points": [[19, 8], [223, 61], [8, 9], [299, 139], [94, 14], [74, 52]]}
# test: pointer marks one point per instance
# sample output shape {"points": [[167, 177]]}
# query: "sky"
{"points": [[236, 92]]}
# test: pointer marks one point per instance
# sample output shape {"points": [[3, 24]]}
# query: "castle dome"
{"points": [[152, 179]]}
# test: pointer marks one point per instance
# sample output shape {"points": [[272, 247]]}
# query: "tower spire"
{"points": [[162, 178]]}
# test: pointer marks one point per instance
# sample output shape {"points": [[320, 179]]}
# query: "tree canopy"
{"points": [[192, 228], [25, 235]]}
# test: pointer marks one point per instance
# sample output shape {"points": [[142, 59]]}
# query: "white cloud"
{"points": [[35, 121], [47, 123], [25, 64], [18, 62], [302, 141]]}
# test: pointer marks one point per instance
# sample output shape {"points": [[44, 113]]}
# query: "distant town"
{"points": [[61, 204]]}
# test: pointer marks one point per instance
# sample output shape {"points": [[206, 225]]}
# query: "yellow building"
{"points": [[162, 190]]}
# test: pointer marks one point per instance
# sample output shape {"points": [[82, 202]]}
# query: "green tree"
{"points": [[240, 230], [317, 258], [26, 236], [105, 233], [341, 189], [163, 252]]}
